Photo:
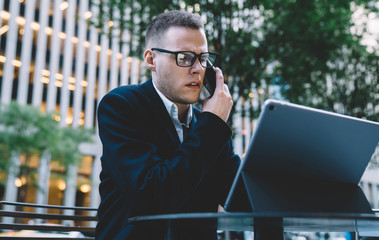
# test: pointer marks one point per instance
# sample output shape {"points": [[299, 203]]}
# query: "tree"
{"points": [[321, 63], [27, 132], [241, 59], [306, 48], [24, 130], [303, 40]]}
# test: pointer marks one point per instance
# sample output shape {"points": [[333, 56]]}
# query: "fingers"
{"points": [[220, 85], [219, 79], [221, 102], [226, 89]]}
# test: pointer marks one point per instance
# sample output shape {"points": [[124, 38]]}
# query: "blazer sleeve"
{"points": [[133, 163]]}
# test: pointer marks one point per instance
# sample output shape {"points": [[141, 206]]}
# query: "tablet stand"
{"points": [[294, 194], [280, 195]]}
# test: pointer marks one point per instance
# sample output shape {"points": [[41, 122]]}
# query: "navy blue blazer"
{"points": [[146, 170]]}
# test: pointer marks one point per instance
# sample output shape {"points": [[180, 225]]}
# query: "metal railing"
{"points": [[38, 222]]}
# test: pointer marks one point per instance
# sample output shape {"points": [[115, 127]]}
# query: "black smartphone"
{"points": [[210, 79]]}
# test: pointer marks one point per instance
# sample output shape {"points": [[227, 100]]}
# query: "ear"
{"points": [[148, 57]]}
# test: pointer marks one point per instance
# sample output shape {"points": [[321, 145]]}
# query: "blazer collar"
{"points": [[172, 109], [160, 114]]}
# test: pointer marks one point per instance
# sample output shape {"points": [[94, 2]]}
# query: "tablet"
{"points": [[305, 142], [302, 159]]}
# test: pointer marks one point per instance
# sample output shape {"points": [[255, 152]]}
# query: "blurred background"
{"points": [[59, 57]]}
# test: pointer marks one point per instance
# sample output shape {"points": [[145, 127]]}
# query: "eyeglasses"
{"points": [[188, 58]]}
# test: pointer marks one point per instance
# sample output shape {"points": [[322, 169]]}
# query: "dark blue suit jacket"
{"points": [[146, 170]]}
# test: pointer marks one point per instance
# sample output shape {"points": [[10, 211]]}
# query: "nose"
{"points": [[196, 68]]}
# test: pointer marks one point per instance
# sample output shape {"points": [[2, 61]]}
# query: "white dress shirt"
{"points": [[172, 110]]}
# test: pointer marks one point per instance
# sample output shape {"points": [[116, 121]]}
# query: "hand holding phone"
{"points": [[210, 79], [221, 103]]}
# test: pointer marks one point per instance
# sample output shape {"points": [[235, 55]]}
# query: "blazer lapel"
{"points": [[161, 121]]}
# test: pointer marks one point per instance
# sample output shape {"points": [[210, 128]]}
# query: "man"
{"points": [[149, 166]]}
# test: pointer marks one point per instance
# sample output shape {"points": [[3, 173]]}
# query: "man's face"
{"points": [[182, 85]]}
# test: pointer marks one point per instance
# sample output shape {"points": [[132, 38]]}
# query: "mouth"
{"points": [[194, 85]]}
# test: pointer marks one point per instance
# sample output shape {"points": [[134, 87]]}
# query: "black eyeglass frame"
{"points": [[196, 56]]}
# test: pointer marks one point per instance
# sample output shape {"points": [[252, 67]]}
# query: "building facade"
{"points": [[51, 58]]}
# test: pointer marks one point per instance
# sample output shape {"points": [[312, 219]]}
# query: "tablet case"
{"points": [[302, 159]]}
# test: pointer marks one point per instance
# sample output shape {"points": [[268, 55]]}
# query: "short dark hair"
{"points": [[164, 21]]}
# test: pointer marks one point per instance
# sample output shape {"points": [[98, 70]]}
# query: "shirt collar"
{"points": [[172, 109]]}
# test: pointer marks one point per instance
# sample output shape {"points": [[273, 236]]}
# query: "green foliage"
{"points": [[321, 63], [25, 130], [305, 47], [128, 17], [353, 84], [66, 149]]}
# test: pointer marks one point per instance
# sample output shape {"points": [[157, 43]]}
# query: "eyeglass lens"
{"points": [[186, 59]]}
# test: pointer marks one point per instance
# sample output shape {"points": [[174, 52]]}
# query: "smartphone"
{"points": [[210, 79]]}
